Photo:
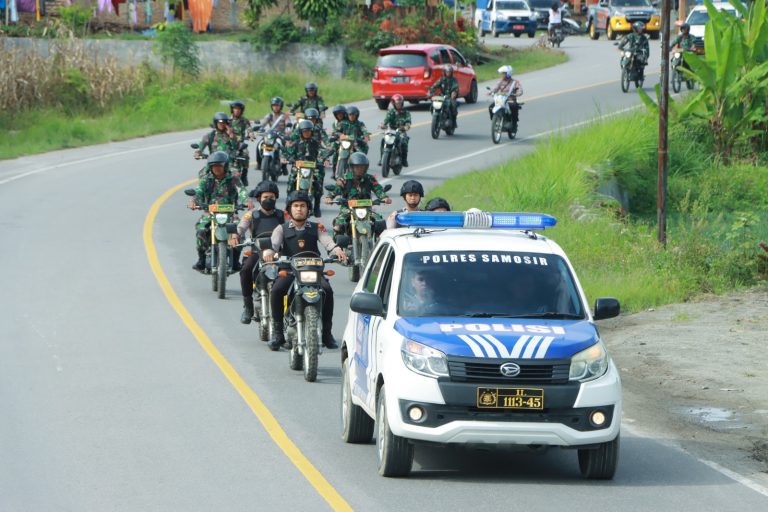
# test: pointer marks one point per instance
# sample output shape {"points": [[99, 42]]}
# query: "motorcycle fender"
{"points": [[304, 184], [222, 232], [496, 108], [311, 296], [363, 227], [268, 153]]}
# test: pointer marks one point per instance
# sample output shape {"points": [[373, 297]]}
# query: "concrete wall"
{"points": [[215, 56]]}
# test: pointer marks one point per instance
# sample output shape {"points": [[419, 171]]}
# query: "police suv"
{"points": [[469, 327]]}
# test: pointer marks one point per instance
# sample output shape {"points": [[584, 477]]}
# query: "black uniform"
{"points": [[263, 224]]}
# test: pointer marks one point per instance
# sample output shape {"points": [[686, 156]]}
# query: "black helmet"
{"points": [[220, 116], [411, 186], [437, 202], [338, 108], [305, 124], [359, 158], [237, 103], [298, 195], [310, 86], [312, 113], [265, 186], [555, 6], [638, 25], [353, 111], [685, 26], [277, 100], [218, 157]]}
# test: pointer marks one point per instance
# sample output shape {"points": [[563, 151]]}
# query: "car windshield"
{"points": [[402, 60], [512, 6], [541, 4], [631, 3], [487, 284], [702, 17]]}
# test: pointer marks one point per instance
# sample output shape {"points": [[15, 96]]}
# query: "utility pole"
{"points": [[661, 205]]}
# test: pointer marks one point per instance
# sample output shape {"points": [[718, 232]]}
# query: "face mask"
{"points": [[268, 204]]}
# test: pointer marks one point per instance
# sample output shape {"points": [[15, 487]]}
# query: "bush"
{"points": [[177, 47], [276, 33], [76, 17]]}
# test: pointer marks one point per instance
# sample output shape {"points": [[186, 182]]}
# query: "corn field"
{"points": [[69, 78]]}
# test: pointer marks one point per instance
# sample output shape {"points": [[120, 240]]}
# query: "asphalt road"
{"points": [[111, 399]]}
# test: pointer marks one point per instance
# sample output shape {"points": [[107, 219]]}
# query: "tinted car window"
{"points": [[512, 6], [402, 60], [487, 284], [375, 269], [386, 280], [458, 59], [444, 56], [435, 56]]}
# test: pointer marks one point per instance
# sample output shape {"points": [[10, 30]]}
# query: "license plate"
{"points": [[518, 27], [510, 398], [400, 79]]}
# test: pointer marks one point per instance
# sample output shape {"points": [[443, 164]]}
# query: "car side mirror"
{"points": [[366, 304], [387, 187], [606, 307], [190, 192]]}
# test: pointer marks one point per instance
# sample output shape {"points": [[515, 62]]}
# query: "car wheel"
{"points": [[394, 453], [654, 35], [517, 34], [593, 33], [600, 463], [356, 425], [382, 103], [531, 35], [609, 32], [472, 96]]}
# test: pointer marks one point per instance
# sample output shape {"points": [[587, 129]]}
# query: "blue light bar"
{"points": [[476, 219]]}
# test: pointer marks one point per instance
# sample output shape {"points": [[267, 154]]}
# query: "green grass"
{"points": [[717, 214], [522, 60], [164, 107]]}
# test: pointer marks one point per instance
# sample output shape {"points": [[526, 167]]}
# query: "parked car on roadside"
{"points": [[615, 17], [411, 69], [698, 18]]}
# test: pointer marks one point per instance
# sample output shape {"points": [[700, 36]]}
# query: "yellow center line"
{"points": [[265, 416]]}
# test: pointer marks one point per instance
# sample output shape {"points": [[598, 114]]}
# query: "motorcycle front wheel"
{"points": [[221, 269], [341, 166], [677, 80], [265, 317], [312, 330], [689, 84], [385, 164], [435, 125], [266, 168], [624, 80], [497, 126]]}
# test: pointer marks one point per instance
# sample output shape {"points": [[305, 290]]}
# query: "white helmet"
{"points": [[506, 69]]}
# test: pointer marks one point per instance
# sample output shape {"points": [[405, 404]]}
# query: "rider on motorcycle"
{"points": [[242, 128], [312, 99], [297, 235], [684, 40], [356, 184], [276, 119], [308, 147], [449, 87], [257, 221], [397, 117], [355, 130], [312, 115], [507, 85], [412, 192], [221, 138], [555, 18], [637, 42], [437, 204], [339, 113], [217, 186]]}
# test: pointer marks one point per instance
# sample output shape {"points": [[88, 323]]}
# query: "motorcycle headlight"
{"points": [[627, 54], [305, 173], [589, 364], [308, 276], [499, 100], [346, 144], [221, 218], [437, 104], [424, 360], [676, 55], [389, 139], [361, 213]]}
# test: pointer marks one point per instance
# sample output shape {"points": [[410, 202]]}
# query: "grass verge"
{"points": [[164, 106], [717, 214], [522, 60]]}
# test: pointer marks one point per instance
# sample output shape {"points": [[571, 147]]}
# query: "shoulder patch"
{"points": [[247, 215]]}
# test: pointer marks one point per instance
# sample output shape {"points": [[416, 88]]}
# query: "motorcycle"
{"points": [[346, 148], [219, 256], [502, 116], [632, 69], [306, 177], [263, 279], [391, 157], [677, 73], [557, 36], [303, 324], [271, 148], [363, 230], [441, 116]]}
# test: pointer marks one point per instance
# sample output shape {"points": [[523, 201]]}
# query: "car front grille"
{"points": [[487, 370], [633, 17], [517, 18]]}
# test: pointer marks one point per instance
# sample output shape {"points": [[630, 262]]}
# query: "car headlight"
{"points": [[308, 276], [534, 15], [221, 218], [618, 14], [424, 360], [499, 16], [589, 364]]}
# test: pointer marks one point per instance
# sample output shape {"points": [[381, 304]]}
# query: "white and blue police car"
{"points": [[469, 327]]}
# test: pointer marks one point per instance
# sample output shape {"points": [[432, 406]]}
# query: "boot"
{"points": [[404, 156], [247, 315], [329, 341], [200, 264], [278, 338], [317, 212], [244, 177]]}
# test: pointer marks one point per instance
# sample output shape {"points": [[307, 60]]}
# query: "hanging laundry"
{"points": [[147, 12], [115, 4], [167, 12], [2, 5], [25, 5], [37, 10], [12, 7], [201, 14], [105, 6]]}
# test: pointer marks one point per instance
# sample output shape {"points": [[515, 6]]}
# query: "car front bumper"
{"points": [[621, 24]]}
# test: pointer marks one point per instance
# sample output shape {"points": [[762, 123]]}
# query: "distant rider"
{"points": [[310, 100], [637, 42], [221, 138], [509, 86], [355, 130], [309, 148], [397, 118], [555, 18], [298, 235], [449, 87], [243, 132]]}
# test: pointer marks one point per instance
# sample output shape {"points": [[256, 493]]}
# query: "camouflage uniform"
{"points": [[395, 119], [350, 188], [311, 150], [305, 102], [318, 134], [637, 43], [210, 190], [684, 40], [219, 141], [357, 131], [270, 118], [242, 128], [447, 86]]}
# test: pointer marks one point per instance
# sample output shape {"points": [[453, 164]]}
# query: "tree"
{"points": [[255, 9], [318, 11]]}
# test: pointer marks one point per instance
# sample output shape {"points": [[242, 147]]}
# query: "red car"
{"points": [[411, 69]]}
